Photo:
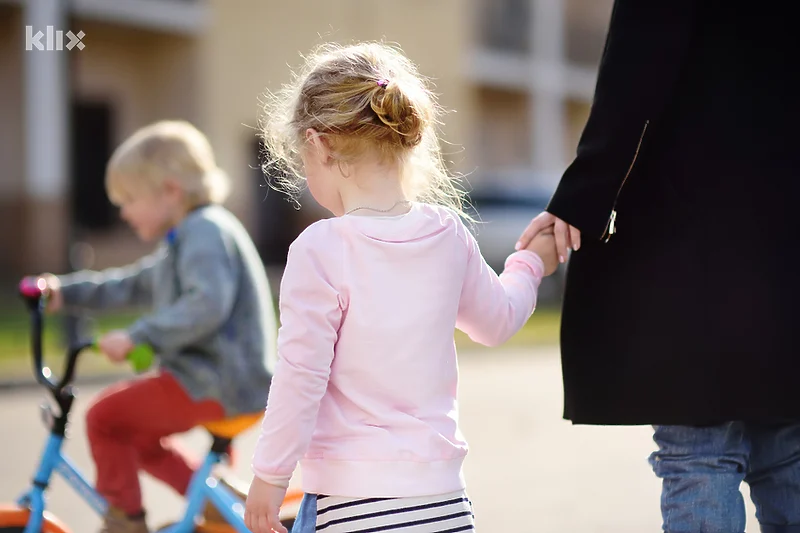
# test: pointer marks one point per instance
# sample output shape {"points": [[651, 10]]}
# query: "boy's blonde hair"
{"points": [[362, 98], [169, 149]]}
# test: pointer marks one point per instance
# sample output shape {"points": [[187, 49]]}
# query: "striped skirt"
{"points": [[444, 513]]}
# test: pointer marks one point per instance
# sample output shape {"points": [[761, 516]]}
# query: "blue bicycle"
{"points": [[28, 513]]}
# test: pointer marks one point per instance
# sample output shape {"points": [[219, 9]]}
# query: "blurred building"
{"points": [[518, 74]]}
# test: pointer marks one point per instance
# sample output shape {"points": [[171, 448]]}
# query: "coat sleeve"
{"points": [[209, 277], [645, 50]]}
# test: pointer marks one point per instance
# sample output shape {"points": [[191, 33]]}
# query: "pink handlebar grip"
{"points": [[32, 287]]}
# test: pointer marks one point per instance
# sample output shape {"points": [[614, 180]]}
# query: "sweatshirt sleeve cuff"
{"points": [[278, 481], [527, 260]]}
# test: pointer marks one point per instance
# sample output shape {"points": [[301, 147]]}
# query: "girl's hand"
{"points": [[544, 245], [262, 510], [567, 237], [116, 345]]}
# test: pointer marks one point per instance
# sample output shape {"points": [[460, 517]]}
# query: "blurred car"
{"points": [[502, 213]]}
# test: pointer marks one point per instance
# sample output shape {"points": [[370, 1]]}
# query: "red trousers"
{"points": [[129, 425]]}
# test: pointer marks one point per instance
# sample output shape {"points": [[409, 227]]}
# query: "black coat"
{"points": [[686, 313]]}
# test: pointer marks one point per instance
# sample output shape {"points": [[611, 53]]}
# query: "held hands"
{"points": [[116, 345], [544, 245], [566, 237], [262, 510]]}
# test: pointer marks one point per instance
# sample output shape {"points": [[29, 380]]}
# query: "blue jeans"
{"points": [[702, 469], [306, 521]]}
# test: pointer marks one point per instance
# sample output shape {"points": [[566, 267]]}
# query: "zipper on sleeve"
{"points": [[611, 225]]}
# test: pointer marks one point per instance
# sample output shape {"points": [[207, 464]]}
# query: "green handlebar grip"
{"points": [[141, 357]]}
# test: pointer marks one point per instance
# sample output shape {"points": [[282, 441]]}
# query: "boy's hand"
{"points": [[544, 245], [116, 345], [262, 511], [55, 300]]}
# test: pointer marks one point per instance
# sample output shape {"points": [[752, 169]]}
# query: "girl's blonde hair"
{"points": [[362, 98], [164, 150]]}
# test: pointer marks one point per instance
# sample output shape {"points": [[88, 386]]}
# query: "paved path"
{"points": [[524, 459]]}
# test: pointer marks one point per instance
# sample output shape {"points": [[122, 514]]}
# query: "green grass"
{"points": [[541, 330], [15, 347]]}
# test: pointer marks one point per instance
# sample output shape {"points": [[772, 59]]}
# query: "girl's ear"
{"points": [[318, 146]]}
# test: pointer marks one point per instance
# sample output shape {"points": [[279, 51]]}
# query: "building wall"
{"points": [[216, 77], [249, 49], [145, 76], [503, 129], [11, 132], [534, 84]]}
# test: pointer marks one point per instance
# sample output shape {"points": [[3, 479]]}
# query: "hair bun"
{"points": [[397, 111]]}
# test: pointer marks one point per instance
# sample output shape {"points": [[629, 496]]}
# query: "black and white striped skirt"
{"points": [[444, 513]]}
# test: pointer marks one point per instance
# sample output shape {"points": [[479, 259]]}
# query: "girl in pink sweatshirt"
{"points": [[364, 393]]}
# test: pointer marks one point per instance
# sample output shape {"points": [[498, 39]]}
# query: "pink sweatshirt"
{"points": [[364, 393]]}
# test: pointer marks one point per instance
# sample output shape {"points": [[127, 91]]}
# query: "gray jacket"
{"points": [[213, 321]]}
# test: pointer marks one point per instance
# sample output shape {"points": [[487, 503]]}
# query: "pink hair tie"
{"points": [[383, 83]]}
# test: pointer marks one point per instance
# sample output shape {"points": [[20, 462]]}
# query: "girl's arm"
{"points": [[311, 314], [493, 308]]}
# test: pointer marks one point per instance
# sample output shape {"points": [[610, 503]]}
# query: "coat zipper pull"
{"points": [[612, 225]]}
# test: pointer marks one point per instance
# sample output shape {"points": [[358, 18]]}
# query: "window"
{"points": [[586, 26], [91, 148], [505, 129], [505, 24], [276, 217]]}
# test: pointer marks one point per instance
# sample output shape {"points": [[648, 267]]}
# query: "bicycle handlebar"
{"points": [[34, 292]]}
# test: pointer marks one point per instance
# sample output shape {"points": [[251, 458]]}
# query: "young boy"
{"points": [[212, 323]]}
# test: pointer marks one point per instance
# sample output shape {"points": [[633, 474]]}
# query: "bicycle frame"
{"points": [[203, 486], [54, 461]]}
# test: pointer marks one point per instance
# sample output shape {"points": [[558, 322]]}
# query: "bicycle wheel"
{"points": [[13, 519]]}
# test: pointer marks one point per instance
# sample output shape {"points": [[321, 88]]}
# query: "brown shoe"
{"points": [[211, 514], [116, 521]]}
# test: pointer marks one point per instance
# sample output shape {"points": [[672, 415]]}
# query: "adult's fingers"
{"points": [[540, 222], [575, 237], [563, 242]]}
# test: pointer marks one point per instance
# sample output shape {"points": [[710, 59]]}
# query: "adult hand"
{"points": [[567, 237]]}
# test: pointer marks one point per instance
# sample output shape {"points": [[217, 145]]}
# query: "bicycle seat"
{"points": [[228, 428]]}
